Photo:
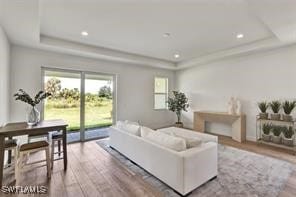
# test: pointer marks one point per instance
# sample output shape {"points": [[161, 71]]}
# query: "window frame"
{"points": [[166, 93]]}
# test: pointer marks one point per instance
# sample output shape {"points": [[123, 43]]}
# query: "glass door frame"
{"points": [[82, 95]]}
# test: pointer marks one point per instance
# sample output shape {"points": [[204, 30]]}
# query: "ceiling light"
{"points": [[84, 33], [239, 36], [165, 35], [176, 55]]}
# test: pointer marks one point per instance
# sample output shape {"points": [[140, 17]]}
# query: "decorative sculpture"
{"points": [[231, 106], [234, 106], [238, 107]]}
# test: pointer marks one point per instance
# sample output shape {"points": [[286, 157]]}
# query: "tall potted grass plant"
{"points": [[266, 132], [276, 137], [288, 107], [275, 107], [263, 106], [288, 136]]}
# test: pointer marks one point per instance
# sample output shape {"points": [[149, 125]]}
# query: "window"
{"points": [[160, 92]]}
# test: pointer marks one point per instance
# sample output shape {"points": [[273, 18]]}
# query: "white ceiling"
{"points": [[132, 30], [197, 27]]}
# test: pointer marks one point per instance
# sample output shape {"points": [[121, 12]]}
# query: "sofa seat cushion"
{"points": [[168, 141]]}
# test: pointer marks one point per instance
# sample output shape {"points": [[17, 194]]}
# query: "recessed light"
{"points": [[239, 36], [165, 35], [177, 55], [84, 33]]}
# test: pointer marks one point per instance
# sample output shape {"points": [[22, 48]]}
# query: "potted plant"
{"points": [[266, 132], [276, 137], [263, 106], [275, 106], [34, 115], [288, 107], [288, 136], [178, 103]]}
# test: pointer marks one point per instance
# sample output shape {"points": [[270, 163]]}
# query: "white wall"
{"points": [[134, 83], [262, 76], [4, 77]]}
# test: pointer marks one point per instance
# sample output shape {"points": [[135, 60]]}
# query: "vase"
{"points": [[33, 117]]}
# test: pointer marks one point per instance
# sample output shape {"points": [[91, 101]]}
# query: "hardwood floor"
{"points": [[260, 149], [93, 172]]}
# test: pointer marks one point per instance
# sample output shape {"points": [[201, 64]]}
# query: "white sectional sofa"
{"points": [[181, 170]]}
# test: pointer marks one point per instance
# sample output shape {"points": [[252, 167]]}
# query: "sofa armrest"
{"points": [[200, 165]]}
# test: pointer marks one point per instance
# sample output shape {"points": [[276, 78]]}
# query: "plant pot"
{"points": [[263, 115], [179, 124], [287, 117], [288, 141], [275, 116], [266, 138], [276, 139]]}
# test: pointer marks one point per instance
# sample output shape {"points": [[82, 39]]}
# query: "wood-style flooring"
{"points": [[93, 172]]}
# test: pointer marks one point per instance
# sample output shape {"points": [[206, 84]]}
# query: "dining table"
{"points": [[11, 130]]}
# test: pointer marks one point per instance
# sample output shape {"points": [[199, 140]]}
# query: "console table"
{"points": [[238, 122]]}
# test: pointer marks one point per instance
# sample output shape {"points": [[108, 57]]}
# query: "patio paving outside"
{"points": [[89, 134]]}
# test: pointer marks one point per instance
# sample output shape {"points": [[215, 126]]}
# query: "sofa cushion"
{"points": [[189, 134], [145, 131], [119, 124], [128, 126], [131, 128], [131, 122], [191, 142], [168, 141]]}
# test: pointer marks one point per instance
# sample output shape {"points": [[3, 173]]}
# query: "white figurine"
{"points": [[238, 107], [232, 106]]}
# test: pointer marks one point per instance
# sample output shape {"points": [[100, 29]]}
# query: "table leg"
{"points": [[9, 153], [2, 138], [65, 148]]}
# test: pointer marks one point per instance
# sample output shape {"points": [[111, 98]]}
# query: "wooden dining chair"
{"points": [[33, 147], [56, 137], [11, 145]]}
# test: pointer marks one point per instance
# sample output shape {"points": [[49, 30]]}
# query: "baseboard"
{"points": [[251, 138]]}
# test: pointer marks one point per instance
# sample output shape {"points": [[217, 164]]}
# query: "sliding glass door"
{"points": [[84, 100], [64, 103], [98, 105]]}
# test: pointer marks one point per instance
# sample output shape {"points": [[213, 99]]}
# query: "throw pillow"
{"points": [[191, 142], [145, 131], [132, 129], [168, 141]]}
